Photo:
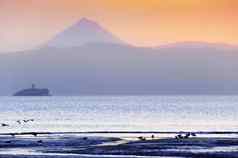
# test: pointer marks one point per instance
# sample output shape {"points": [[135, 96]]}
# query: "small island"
{"points": [[33, 91]]}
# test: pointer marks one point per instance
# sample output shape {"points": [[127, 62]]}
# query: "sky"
{"points": [[27, 24]]}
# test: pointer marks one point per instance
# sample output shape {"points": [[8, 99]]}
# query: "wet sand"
{"points": [[71, 146]]}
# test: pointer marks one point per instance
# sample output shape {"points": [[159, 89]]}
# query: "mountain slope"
{"points": [[83, 32]]}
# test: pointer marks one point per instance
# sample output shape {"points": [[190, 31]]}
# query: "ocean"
{"points": [[119, 113]]}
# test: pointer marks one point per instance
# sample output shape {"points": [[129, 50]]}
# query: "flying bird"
{"points": [[25, 121], [4, 125]]}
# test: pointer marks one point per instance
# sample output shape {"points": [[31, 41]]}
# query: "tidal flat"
{"points": [[71, 146]]}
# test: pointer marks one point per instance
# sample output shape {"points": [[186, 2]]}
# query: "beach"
{"points": [[72, 145], [118, 126]]}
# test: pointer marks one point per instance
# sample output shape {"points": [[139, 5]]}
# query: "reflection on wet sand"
{"points": [[70, 145]]}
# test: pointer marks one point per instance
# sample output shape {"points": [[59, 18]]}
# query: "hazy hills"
{"points": [[114, 68]]}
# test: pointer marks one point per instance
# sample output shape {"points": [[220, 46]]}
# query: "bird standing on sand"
{"points": [[187, 135], [40, 141], [85, 138], [179, 136], [142, 138], [12, 134]]}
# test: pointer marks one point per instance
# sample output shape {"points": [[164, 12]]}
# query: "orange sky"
{"points": [[25, 24]]}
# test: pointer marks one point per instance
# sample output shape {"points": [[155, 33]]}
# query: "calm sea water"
{"points": [[124, 113]]}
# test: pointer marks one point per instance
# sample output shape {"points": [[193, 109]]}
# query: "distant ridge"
{"points": [[83, 32], [198, 44], [115, 69]]}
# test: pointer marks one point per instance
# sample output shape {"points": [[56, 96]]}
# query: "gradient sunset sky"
{"points": [[25, 24]]}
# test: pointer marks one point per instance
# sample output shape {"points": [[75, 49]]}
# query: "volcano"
{"points": [[83, 32]]}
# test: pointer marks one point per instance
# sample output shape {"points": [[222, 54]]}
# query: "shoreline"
{"points": [[65, 144], [121, 132]]}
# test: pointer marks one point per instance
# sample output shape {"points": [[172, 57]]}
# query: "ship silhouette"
{"points": [[33, 91]]}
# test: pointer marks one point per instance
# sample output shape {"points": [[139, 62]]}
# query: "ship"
{"points": [[33, 91]]}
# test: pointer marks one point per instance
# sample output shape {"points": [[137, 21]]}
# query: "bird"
{"points": [[142, 138], [12, 134], [179, 136], [187, 135], [85, 138], [25, 121], [40, 141], [4, 125], [31, 120]]}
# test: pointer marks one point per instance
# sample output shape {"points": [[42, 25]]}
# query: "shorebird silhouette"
{"points": [[4, 125], [179, 136], [40, 141], [29, 120], [85, 138], [187, 135], [24, 121], [142, 138], [12, 134]]}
